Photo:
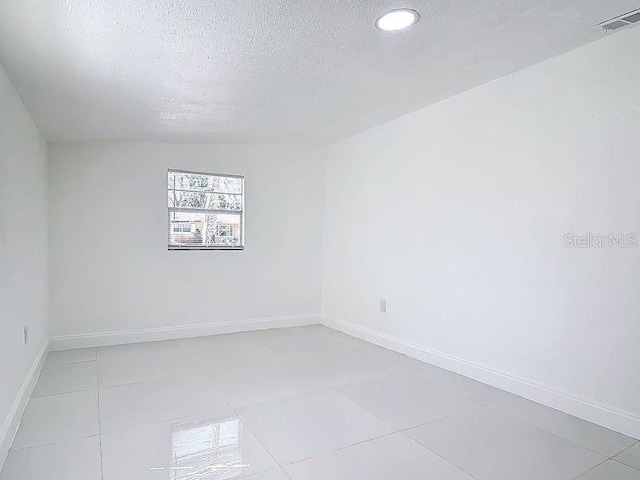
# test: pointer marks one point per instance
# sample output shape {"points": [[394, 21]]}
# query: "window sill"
{"points": [[204, 248]]}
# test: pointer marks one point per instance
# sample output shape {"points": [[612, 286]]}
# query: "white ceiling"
{"points": [[273, 71]]}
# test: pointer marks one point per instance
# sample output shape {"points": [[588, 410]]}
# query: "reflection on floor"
{"points": [[301, 404], [204, 448]]}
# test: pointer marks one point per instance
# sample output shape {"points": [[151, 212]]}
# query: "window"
{"points": [[225, 230], [206, 211], [181, 227]]}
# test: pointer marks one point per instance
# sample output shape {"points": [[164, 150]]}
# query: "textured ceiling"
{"points": [[273, 71]]}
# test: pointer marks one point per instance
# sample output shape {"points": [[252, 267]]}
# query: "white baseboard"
{"points": [[12, 422], [622, 422], [186, 331]]}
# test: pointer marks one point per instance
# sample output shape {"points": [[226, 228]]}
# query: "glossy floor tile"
{"points": [[276, 474], [343, 368], [57, 418], [476, 391], [299, 427], [391, 457], [72, 356], [145, 403], [599, 439], [405, 400], [218, 448], [611, 470], [127, 364], [260, 383], [493, 446], [227, 352], [303, 374], [67, 378], [69, 460], [301, 341], [630, 456], [292, 404]]}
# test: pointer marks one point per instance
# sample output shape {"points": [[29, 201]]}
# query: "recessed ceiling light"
{"points": [[397, 19]]}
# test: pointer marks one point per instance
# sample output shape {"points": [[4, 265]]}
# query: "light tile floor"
{"points": [[303, 403]]}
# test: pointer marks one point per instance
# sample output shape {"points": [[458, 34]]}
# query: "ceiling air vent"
{"points": [[627, 19]]}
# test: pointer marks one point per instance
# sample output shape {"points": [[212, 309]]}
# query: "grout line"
{"points": [[63, 393], [404, 433], [378, 437], [100, 429], [629, 447], [622, 451], [151, 380], [590, 469], [56, 442], [496, 408], [332, 387], [255, 435], [318, 390], [64, 364], [255, 475], [444, 417], [438, 455]]}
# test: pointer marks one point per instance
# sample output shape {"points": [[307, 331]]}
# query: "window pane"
{"points": [[205, 201], [192, 181], [205, 230], [190, 199], [228, 202], [204, 183], [230, 185]]}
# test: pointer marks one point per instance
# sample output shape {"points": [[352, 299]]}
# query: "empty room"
{"points": [[332, 240]]}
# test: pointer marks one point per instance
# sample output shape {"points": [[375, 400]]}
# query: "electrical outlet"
{"points": [[383, 306], [26, 334]]}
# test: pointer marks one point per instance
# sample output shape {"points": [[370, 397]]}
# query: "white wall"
{"points": [[456, 214], [110, 267], [23, 254]]}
